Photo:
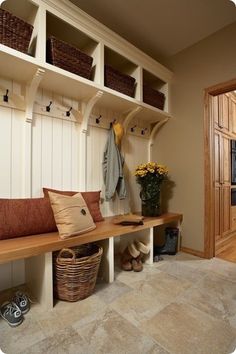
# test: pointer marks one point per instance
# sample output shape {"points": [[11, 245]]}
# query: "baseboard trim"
{"points": [[193, 252]]}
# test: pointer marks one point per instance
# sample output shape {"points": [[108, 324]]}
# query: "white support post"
{"points": [[31, 91], [152, 136], [86, 111]]}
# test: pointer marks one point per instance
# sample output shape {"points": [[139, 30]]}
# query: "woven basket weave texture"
{"points": [[153, 97], [119, 81], [75, 271], [14, 32], [68, 57]]}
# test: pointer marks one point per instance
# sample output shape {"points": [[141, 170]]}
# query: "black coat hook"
{"points": [[133, 128], [111, 123], [48, 108], [68, 112], [98, 119], [5, 97], [143, 131]]}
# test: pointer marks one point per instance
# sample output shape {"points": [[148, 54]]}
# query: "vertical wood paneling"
{"points": [[16, 154], [57, 153], [36, 156], [46, 151], [66, 156], [5, 151]]}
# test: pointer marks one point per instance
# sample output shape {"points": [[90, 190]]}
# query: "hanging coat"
{"points": [[113, 169]]}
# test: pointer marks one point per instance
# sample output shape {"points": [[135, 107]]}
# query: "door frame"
{"points": [[209, 218]]}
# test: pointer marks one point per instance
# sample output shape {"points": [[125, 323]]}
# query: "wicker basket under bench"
{"points": [[14, 32], [68, 57]]}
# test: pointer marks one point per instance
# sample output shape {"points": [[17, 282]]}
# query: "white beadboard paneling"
{"points": [[46, 151], [75, 156], [57, 153], [16, 153], [37, 156], [5, 151], [66, 155]]}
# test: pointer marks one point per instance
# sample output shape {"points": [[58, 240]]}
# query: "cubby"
{"points": [[157, 84], [28, 12], [71, 35], [124, 66]]}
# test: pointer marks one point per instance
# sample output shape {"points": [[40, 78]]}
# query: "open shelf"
{"points": [[71, 35], [27, 11], [124, 66], [157, 84]]}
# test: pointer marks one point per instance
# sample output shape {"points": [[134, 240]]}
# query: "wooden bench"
{"points": [[37, 250]]}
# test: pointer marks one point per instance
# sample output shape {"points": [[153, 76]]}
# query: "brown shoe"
{"points": [[125, 260], [137, 264]]}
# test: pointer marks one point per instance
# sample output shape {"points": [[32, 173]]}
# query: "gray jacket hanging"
{"points": [[113, 163]]}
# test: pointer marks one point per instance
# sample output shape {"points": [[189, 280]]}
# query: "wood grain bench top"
{"points": [[28, 246]]}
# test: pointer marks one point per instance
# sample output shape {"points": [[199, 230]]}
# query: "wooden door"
{"points": [[224, 119], [232, 114], [222, 185]]}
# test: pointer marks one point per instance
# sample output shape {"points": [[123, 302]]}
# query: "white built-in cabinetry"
{"points": [[68, 23]]}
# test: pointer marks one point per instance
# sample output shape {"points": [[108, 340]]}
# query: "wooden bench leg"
{"points": [[39, 278]]}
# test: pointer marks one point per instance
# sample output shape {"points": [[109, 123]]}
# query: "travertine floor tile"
{"points": [[110, 292], [214, 295], [182, 329], [14, 340], [110, 333], [69, 312], [66, 341], [183, 270], [149, 297]]}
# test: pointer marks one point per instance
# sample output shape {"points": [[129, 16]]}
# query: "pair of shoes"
{"points": [[131, 258], [13, 311]]}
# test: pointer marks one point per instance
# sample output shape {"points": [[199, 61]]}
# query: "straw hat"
{"points": [[119, 132]]}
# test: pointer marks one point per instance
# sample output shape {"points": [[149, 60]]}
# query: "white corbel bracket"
{"points": [[87, 109], [1, 2], [153, 134], [31, 91], [129, 116]]}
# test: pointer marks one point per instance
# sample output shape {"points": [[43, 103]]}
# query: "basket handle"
{"points": [[68, 250]]}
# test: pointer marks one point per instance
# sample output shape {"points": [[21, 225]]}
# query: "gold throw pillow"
{"points": [[71, 214]]}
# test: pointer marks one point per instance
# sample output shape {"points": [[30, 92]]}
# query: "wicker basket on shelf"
{"points": [[68, 57], [153, 97], [14, 32], [75, 271], [119, 81]]}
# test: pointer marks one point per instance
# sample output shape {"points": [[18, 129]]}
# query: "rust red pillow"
{"points": [[23, 217], [92, 199]]}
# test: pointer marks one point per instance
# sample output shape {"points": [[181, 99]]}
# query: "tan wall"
{"points": [[180, 143]]}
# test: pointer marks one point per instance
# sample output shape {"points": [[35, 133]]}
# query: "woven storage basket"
{"points": [[118, 81], [153, 97], [14, 32], [69, 58], [75, 271]]}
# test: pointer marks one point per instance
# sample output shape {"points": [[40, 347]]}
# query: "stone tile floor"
{"points": [[181, 305]]}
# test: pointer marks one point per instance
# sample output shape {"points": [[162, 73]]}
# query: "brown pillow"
{"points": [[92, 199], [71, 214], [23, 217]]}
